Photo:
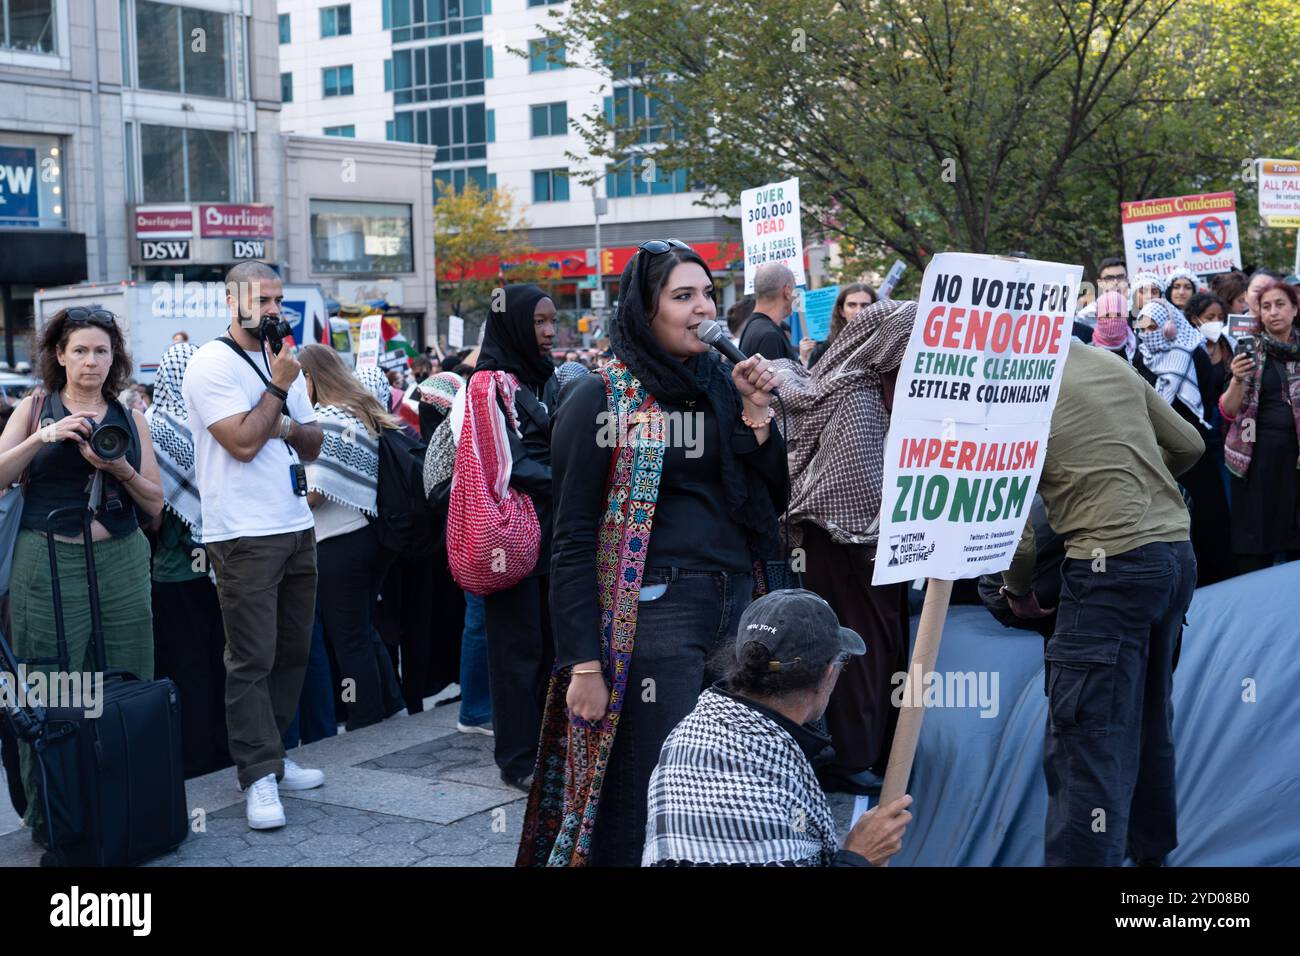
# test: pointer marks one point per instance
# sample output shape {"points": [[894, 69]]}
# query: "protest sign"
{"points": [[368, 341], [891, 279], [1198, 233], [817, 307], [967, 438], [770, 229], [455, 332], [1279, 193], [972, 411]]}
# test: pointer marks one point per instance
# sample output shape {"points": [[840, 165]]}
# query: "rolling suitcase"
{"points": [[112, 786]]}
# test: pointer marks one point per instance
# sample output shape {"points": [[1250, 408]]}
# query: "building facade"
{"points": [[138, 140], [444, 74], [358, 224]]}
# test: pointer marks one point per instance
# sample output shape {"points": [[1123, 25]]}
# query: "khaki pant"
{"points": [[267, 587]]}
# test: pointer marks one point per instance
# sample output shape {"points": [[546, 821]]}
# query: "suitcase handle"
{"points": [[92, 581]]}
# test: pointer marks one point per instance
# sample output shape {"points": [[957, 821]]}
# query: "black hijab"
{"points": [[678, 382], [510, 344]]}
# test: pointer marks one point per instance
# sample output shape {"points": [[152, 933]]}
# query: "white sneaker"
{"points": [[475, 729], [300, 778], [262, 805]]}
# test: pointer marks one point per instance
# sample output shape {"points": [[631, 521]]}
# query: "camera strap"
{"points": [[244, 355], [234, 347], [112, 495]]}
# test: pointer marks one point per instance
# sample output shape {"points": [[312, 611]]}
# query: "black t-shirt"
{"points": [[762, 336], [692, 526]]}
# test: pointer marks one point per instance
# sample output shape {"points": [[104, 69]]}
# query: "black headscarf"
{"points": [[510, 344], [679, 382]]}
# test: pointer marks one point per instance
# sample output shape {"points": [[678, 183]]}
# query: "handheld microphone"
{"points": [[711, 333]]}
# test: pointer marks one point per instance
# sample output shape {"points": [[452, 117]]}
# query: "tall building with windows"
{"points": [[124, 122], [445, 73]]}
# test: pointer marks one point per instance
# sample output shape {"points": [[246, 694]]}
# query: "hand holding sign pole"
{"points": [[968, 435]]}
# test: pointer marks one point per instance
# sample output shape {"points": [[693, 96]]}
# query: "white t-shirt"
{"points": [[240, 499], [334, 519]]}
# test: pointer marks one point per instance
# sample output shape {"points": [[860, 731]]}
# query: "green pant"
{"points": [[122, 567], [267, 587]]}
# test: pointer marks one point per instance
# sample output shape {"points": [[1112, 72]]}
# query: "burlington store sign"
{"points": [[202, 233]]}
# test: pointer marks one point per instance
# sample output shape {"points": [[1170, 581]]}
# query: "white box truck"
{"points": [[152, 312]]}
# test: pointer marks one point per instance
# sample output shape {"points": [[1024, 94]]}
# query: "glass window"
{"points": [[543, 3], [157, 30], [337, 80], [430, 19], [162, 163], [208, 154], [360, 237], [443, 72], [185, 165], [544, 55], [550, 185], [347, 131], [459, 132], [550, 119], [31, 182], [336, 21], [629, 178], [186, 49], [286, 34], [457, 178], [28, 25], [204, 52], [286, 87]]}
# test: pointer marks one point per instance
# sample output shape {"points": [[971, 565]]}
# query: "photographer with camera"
{"points": [[253, 426], [56, 441], [1262, 406]]}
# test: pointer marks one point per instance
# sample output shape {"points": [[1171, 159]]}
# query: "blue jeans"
{"points": [[676, 633], [1109, 754], [315, 718], [475, 698]]}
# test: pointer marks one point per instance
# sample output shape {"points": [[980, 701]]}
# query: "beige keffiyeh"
{"points": [[837, 421]]}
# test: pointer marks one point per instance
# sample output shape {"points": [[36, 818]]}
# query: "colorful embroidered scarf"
{"points": [[1237, 450], [573, 755]]}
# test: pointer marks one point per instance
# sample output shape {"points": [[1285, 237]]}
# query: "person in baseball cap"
{"points": [[795, 626], [735, 785]]}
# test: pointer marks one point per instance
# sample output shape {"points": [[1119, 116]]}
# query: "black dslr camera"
{"points": [[275, 331], [107, 440]]}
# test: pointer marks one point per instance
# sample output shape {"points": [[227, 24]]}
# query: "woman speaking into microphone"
{"points": [[669, 477]]}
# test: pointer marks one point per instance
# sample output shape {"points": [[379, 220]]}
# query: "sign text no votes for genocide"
{"points": [[972, 412]]}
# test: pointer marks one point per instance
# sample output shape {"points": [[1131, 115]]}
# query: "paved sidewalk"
{"points": [[411, 791]]}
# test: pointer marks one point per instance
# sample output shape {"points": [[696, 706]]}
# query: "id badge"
{"points": [[298, 479]]}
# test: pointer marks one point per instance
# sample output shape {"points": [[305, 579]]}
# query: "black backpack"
{"points": [[405, 522]]}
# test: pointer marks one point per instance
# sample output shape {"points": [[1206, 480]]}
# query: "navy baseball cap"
{"points": [[796, 624]]}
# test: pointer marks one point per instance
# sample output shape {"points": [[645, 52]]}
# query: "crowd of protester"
{"points": [[281, 614]]}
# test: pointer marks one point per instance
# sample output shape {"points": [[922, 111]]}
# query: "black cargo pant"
{"points": [[267, 587], [1109, 754]]}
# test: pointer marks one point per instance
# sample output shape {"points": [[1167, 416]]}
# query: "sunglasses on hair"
{"points": [[659, 246], [99, 317]]}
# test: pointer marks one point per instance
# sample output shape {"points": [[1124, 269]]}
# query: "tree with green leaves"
{"points": [[480, 246], [931, 125]]}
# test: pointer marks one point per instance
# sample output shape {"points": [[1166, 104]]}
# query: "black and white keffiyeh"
{"points": [[1170, 357], [347, 469], [733, 787], [172, 443]]}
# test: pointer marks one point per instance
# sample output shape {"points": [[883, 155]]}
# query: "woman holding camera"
{"points": [[50, 443], [1262, 405]]}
